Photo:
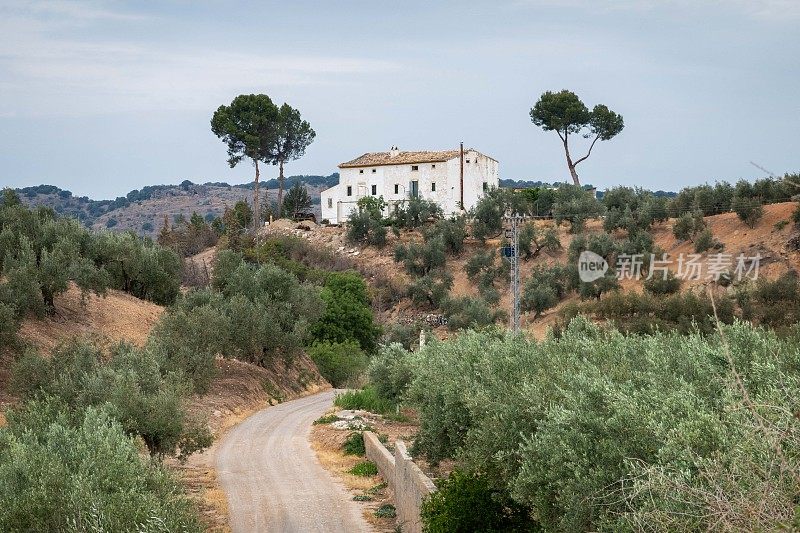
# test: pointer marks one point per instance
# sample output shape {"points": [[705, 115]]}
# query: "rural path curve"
{"points": [[273, 480]]}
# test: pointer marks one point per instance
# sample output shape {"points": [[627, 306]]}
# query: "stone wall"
{"points": [[409, 484]]}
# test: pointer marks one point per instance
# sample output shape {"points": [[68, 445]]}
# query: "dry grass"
{"points": [[116, 317]]}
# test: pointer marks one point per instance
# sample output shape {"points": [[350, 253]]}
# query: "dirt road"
{"points": [[272, 478]]}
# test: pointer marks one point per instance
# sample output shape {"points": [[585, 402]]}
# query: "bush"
{"points": [[749, 210], [451, 232], [362, 227], [706, 241], [354, 444], [464, 312], [347, 315], [688, 225], [147, 402], [415, 212], [340, 363], [420, 258], [466, 502], [56, 475], [431, 289], [366, 399], [390, 372], [364, 469], [554, 424], [659, 284]]}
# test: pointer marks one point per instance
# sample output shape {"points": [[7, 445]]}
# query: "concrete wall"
{"points": [[409, 484]]}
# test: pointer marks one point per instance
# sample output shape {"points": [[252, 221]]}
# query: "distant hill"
{"points": [[143, 210]]}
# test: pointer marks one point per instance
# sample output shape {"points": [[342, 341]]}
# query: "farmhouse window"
{"points": [[374, 190], [350, 190], [330, 202], [396, 188], [414, 167], [433, 186]]}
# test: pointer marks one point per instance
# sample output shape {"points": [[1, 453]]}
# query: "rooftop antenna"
{"points": [[759, 167]]}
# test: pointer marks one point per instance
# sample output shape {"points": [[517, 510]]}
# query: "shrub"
{"points": [[362, 227], [749, 210], [554, 424], [451, 232], [420, 258], [340, 363], [364, 469], [347, 315], [390, 372], [415, 212], [465, 312], [688, 225], [466, 502], [387, 510], [56, 475], [366, 399], [132, 384], [354, 444], [705, 241], [431, 289], [660, 284]]}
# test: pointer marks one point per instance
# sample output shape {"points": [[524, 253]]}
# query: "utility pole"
{"points": [[512, 254]]}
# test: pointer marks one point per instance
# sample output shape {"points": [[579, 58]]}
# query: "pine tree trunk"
{"points": [[280, 189], [256, 212]]}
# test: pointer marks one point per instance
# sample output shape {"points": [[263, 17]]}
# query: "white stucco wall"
{"points": [[478, 169]]}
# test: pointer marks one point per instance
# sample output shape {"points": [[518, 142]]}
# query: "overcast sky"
{"points": [[103, 97]]}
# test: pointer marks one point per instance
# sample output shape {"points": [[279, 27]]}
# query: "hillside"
{"points": [[143, 211], [378, 264]]}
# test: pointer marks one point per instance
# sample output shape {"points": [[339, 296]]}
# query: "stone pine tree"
{"points": [[293, 135], [565, 113], [248, 127]]}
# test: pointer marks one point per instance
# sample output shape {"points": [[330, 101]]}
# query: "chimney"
{"points": [[393, 151]]}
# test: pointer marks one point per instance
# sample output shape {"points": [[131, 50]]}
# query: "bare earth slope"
{"points": [[273, 480]]}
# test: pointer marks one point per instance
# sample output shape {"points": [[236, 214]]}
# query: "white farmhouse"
{"points": [[451, 178]]}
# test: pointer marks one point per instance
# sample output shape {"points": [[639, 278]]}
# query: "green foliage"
{"points": [[365, 224], [450, 232], [354, 444], [487, 215], [341, 363], [705, 241], [62, 472], [774, 304], [532, 241], [366, 399], [779, 225], [645, 313], [464, 312], [575, 205], [420, 259], [390, 372], [545, 287], [364, 469], [297, 200], [688, 225], [565, 113], [188, 237], [415, 213], [466, 502], [432, 289], [748, 209], [387, 510], [347, 315], [662, 284], [229, 319], [595, 430], [133, 386]]}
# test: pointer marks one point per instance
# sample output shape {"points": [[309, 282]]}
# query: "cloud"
{"points": [[67, 10], [768, 10], [46, 72]]}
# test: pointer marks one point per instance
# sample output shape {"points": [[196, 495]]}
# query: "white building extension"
{"points": [[398, 176]]}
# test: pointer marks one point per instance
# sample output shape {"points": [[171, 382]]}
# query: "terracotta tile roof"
{"points": [[375, 159]]}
